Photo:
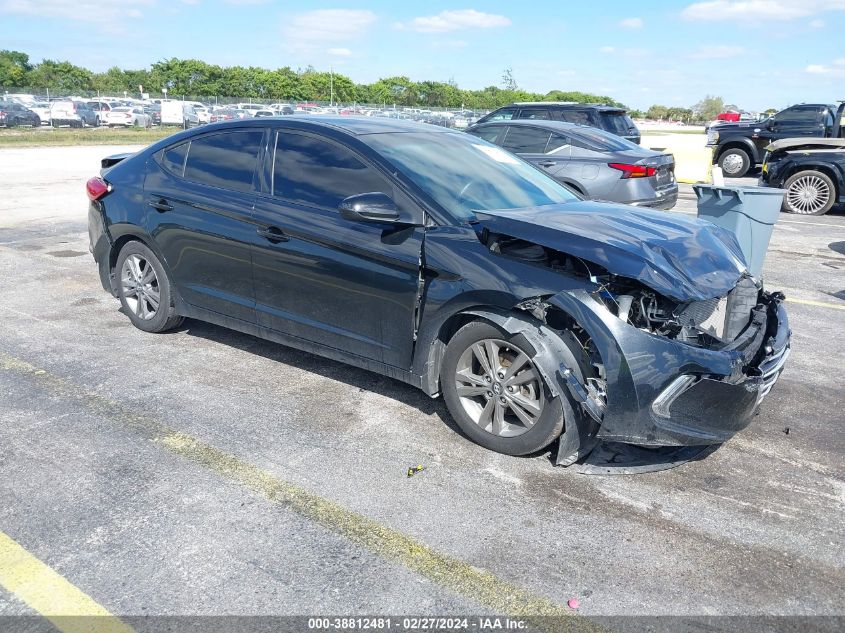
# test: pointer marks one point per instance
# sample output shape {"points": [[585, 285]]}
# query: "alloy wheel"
{"points": [[139, 284], [808, 195], [499, 387]]}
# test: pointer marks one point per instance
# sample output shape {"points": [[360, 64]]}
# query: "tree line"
{"points": [[197, 79]]}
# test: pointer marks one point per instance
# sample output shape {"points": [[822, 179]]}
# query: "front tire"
{"points": [[144, 289], [809, 193], [495, 392], [735, 162]]}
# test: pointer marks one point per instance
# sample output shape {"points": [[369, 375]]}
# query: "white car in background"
{"points": [[128, 117], [252, 108], [203, 114], [42, 109]]}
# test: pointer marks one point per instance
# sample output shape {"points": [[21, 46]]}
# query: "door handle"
{"points": [[273, 234], [548, 163], [160, 205]]}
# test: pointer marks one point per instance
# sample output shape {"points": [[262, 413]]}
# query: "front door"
{"points": [[350, 285]]}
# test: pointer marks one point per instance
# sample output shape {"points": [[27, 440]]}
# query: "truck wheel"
{"points": [[735, 162], [809, 193]]}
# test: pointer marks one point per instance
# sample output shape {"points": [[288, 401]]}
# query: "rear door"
{"points": [[529, 142], [352, 286], [199, 196]]}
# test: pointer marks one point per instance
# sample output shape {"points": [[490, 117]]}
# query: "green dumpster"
{"points": [[749, 213]]}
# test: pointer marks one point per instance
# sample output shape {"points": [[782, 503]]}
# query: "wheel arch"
{"points": [[826, 169], [738, 143], [130, 233]]}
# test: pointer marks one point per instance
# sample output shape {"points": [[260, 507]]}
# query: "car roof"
{"points": [[564, 105], [558, 126], [351, 125]]}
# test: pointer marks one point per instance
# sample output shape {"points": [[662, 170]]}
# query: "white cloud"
{"points": [[239, 3], [566, 73], [339, 52], [759, 10], [306, 32], [607, 49], [110, 17], [817, 24], [193, 2], [631, 23], [717, 52], [446, 21], [836, 70]]}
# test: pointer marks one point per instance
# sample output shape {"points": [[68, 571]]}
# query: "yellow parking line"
{"points": [[819, 304], [446, 571], [47, 592]]}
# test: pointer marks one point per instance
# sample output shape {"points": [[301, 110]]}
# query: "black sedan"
{"points": [[14, 114], [441, 260]]}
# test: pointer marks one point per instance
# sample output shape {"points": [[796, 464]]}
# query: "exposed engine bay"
{"points": [[711, 323]]}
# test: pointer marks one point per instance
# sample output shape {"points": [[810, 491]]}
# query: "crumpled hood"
{"points": [[685, 259]]}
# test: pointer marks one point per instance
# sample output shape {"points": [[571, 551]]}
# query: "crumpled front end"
{"points": [[658, 390]]}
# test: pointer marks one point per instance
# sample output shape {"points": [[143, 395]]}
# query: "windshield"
{"points": [[464, 174], [617, 122]]}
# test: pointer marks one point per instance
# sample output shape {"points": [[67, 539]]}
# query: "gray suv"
{"points": [[608, 118], [596, 164]]}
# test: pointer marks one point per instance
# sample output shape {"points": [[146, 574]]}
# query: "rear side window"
{"points": [[318, 173], [225, 160], [488, 133], [582, 117], [535, 113], [506, 114], [526, 140], [558, 144], [173, 158], [616, 122]]}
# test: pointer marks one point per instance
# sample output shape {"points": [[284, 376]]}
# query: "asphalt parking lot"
{"points": [[209, 472]]}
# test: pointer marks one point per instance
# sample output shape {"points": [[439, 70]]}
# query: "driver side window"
{"points": [[314, 172]]}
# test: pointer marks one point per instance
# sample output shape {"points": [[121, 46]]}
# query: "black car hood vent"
{"points": [[683, 259]]}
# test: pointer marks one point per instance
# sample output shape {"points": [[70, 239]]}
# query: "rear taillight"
{"points": [[634, 171], [97, 188]]}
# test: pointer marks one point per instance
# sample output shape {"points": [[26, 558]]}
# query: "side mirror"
{"points": [[770, 125], [369, 207]]}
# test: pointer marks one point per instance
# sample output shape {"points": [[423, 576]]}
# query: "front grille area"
{"points": [[725, 317], [771, 367]]}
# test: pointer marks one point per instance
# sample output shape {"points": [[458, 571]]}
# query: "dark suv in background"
{"points": [[608, 118]]}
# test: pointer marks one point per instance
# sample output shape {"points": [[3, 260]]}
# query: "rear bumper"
{"points": [[667, 199], [664, 393]]}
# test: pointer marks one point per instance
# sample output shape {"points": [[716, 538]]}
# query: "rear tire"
{"points": [[809, 193], [488, 410], [735, 162], [144, 289]]}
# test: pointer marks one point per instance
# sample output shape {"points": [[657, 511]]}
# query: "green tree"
{"points": [[61, 77], [658, 112], [508, 80], [708, 108], [14, 68]]}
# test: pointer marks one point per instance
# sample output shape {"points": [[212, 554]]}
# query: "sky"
{"points": [[756, 54]]}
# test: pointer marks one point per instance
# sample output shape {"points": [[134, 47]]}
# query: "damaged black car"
{"points": [[441, 260]]}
